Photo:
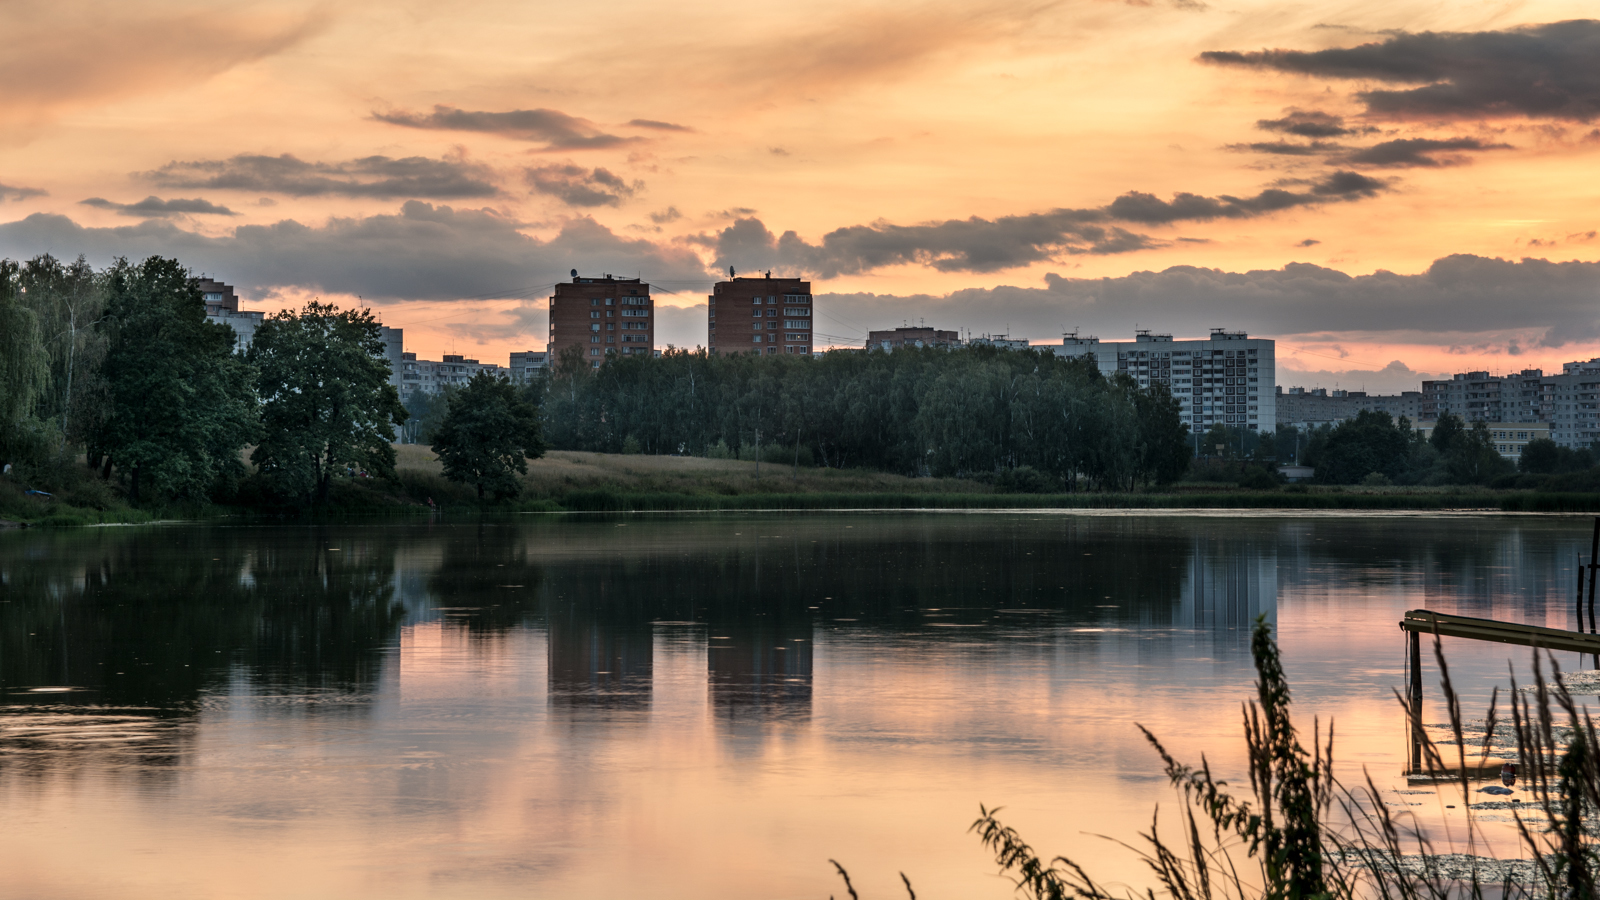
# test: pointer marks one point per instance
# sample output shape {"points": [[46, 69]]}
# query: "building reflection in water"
{"points": [[1228, 583], [760, 671], [596, 662]]}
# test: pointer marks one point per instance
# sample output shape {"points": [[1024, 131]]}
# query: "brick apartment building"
{"points": [[602, 315], [759, 315], [914, 336]]}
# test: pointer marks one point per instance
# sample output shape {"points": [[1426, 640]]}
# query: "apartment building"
{"points": [[1217, 380], [605, 315], [1002, 341], [1509, 437], [1481, 397], [222, 307], [1571, 404], [528, 364], [759, 315], [429, 376], [1320, 406], [915, 336]]}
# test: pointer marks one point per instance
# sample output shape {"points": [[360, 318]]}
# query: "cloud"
{"points": [[423, 252], [1309, 123], [670, 214], [1308, 242], [10, 192], [371, 176], [1550, 303], [154, 207], [985, 245], [1420, 152], [1549, 71], [657, 126], [558, 130], [61, 56], [1288, 148], [1296, 371], [576, 186]]}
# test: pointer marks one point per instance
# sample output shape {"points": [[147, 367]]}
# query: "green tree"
{"points": [[1164, 443], [1447, 432], [488, 436], [1473, 459], [327, 402], [1355, 448], [180, 405], [24, 368]]}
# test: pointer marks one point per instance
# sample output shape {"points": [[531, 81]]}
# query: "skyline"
{"points": [[1024, 167]]}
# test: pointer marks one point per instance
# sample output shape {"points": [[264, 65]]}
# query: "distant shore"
{"points": [[570, 481]]}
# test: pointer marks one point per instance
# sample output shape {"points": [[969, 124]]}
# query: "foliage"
{"points": [[327, 404], [425, 412], [180, 404], [1543, 456], [914, 411], [488, 435], [24, 368]]}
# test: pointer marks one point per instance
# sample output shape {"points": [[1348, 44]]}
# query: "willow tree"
{"points": [[326, 399], [24, 368]]}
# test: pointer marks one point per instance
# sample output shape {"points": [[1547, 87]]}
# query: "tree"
{"points": [[327, 402], [1164, 449], [1447, 432], [24, 368], [1473, 459], [488, 436], [180, 404], [1355, 448]]}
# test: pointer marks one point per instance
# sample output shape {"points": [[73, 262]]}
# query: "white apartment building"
{"points": [[527, 364], [1572, 404], [430, 376], [1225, 379]]}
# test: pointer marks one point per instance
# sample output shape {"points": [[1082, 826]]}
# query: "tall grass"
{"points": [[1299, 833]]}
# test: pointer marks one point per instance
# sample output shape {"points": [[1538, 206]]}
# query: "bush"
{"points": [[1257, 478], [1024, 480], [1376, 479], [630, 446]]}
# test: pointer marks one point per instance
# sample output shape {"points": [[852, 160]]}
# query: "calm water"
{"points": [[702, 706]]}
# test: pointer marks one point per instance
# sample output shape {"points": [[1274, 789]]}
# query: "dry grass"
{"points": [[562, 472]]}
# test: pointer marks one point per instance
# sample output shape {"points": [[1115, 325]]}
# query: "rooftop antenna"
{"points": [[574, 273], [730, 271]]}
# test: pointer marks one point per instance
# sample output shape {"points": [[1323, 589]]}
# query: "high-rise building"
{"points": [[602, 316], [222, 307], [430, 376], [1217, 381], [1572, 404], [527, 364], [759, 315], [1319, 406]]}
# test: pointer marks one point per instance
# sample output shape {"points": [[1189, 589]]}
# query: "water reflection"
{"points": [[472, 706]]}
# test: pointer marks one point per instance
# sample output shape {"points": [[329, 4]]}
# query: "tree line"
{"points": [[122, 365], [962, 413]]}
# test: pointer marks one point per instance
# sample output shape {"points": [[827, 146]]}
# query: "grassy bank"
{"points": [[567, 481]]}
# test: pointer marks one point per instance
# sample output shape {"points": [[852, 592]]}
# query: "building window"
{"points": [[756, 339]]}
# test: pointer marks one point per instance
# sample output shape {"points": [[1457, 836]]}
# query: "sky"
{"points": [[1392, 190]]}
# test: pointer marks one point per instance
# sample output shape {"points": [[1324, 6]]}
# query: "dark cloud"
{"points": [[1311, 123], [670, 214], [777, 151], [1420, 152], [576, 186], [1289, 148], [985, 245], [1308, 242], [153, 207], [9, 192], [422, 252], [372, 176], [1538, 71], [558, 130], [1461, 294], [657, 126]]}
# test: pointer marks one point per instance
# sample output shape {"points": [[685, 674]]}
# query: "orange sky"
{"points": [[646, 129]]}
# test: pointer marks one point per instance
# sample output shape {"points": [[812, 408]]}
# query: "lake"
{"points": [[705, 706]]}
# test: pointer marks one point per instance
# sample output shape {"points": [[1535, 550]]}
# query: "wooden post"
{"points": [[1594, 564], [1416, 700], [1580, 593]]}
